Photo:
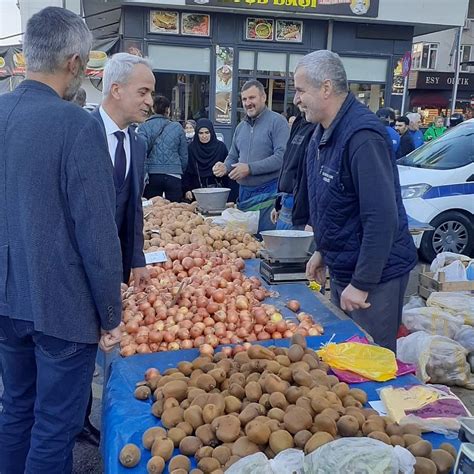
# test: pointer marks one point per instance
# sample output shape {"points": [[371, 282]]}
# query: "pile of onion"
{"points": [[217, 305]]}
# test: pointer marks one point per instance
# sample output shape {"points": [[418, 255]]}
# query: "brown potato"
{"points": [[424, 466], [155, 465], [208, 465], [348, 425], [244, 447], [177, 389], [443, 460], [142, 393], [411, 429], [411, 439], [227, 428], [317, 440], [420, 449], [206, 434], [210, 412], [324, 423], [450, 449], [130, 455], [394, 429], [251, 411], [186, 427], [171, 417], [301, 438], [341, 389], [297, 419], [232, 404], [257, 432], [151, 434], [273, 383], [319, 404], [397, 440], [193, 415], [278, 400], [253, 391], [295, 353], [179, 462], [189, 445], [162, 447], [280, 440], [303, 378], [204, 452], [259, 352], [380, 436], [176, 435], [276, 414], [206, 382], [359, 395], [222, 454]]}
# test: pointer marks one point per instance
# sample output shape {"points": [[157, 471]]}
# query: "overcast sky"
{"points": [[10, 22]]}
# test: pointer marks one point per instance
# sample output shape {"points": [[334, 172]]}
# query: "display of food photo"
{"points": [[164, 22], [97, 60], [195, 24], [289, 31], [259, 29]]}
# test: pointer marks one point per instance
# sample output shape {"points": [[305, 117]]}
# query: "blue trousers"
{"points": [[285, 220], [46, 389], [249, 192]]}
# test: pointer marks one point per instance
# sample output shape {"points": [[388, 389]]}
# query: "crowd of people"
{"points": [[71, 217]]}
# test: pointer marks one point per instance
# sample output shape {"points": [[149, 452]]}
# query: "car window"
{"points": [[452, 150]]}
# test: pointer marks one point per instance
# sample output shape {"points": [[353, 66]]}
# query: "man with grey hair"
{"points": [[257, 150], [127, 88], [60, 259], [414, 129], [356, 210]]}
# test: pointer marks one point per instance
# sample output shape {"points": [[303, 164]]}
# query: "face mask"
{"points": [[189, 134]]}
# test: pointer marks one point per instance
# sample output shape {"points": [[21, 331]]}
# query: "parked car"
{"points": [[437, 182]]}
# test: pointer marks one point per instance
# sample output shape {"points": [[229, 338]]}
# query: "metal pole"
{"points": [[405, 87], [457, 65], [330, 35]]}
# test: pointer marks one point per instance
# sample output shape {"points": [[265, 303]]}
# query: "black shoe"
{"points": [[89, 434]]}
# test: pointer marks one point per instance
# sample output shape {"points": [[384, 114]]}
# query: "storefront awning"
{"points": [[436, 99]]}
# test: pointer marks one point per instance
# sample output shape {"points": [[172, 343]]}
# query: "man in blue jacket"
{"points": [[356, 210], [60, 259]]}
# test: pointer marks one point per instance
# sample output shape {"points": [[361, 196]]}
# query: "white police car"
{"points": [[437, 183]]}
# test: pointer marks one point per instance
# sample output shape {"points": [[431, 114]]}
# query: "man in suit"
{"points": [[128, 84], [60, 259]]}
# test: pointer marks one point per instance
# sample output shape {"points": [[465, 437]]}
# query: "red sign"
{"points": [[406, 64]]}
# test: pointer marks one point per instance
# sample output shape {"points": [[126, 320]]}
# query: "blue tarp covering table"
{"points": [[125, 419]]}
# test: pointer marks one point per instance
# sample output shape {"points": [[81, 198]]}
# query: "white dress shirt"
{"points": [[110, 128]]}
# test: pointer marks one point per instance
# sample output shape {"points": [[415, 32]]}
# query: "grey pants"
{"points": [[384, 316]]}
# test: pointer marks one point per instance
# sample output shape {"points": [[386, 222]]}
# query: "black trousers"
{"points": [[160, 184], [383, 318]]}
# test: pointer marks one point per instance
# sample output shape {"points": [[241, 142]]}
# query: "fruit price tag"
{"points": [[147, 203], [156, 257]]}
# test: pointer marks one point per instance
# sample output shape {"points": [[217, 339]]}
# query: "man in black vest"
{"points": [[127, 90]]}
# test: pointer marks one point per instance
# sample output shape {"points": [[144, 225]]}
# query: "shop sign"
{"points": [[440, 80], [260, 29], [191, 24], [224, 65], [359, 8]]}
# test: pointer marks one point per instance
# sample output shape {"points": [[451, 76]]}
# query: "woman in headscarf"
{"points": [[203, 153]]}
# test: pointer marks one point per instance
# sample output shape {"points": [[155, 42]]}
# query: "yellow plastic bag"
{"points": [[372, 362]]}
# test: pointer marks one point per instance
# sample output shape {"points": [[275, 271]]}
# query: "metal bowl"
{"points": [[287, 243], [211, 199]]}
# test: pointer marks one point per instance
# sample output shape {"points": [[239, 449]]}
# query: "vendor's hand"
{"points": [[352, 299], [109, 339], [219, 169], [240, 170], [316, 269], [189, 196], [274, 216], [141, 278]]}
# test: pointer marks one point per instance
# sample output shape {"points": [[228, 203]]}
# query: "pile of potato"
{"points": [[220, 409], [178, 223]]}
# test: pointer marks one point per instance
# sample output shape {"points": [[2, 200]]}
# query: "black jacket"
{"points": [[292, 169], [406, 145]]}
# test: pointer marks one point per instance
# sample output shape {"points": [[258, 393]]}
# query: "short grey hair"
{"points": [[52, 36], [325, 65], [253, 83], [413, 116], [119, 68]]}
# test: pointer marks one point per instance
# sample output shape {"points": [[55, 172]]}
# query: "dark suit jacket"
{"points": [[60, 261], [131, 233]]}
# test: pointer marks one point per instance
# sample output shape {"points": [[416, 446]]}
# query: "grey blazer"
{"points": [[60, 259]]}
